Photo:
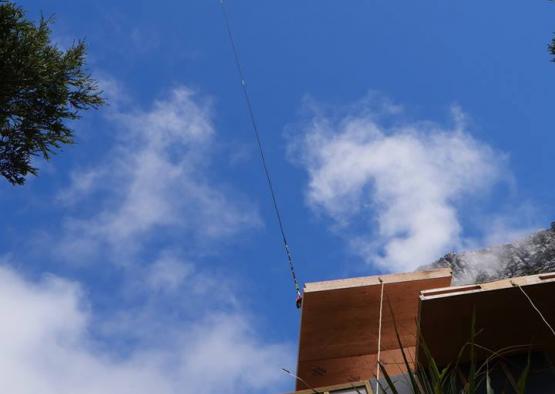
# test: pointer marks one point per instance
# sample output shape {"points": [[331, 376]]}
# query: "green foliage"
{"points": [[41, 89], [465, 375]]}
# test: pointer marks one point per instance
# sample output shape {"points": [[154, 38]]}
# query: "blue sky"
{"points": [[148, 252]]}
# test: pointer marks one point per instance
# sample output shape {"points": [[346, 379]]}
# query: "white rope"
{"points": [[379, 339], [535, 307]]}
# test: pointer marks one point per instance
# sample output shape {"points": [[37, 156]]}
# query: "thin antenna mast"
{"points": [[298, 300]]}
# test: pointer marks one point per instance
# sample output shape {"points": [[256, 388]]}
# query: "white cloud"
{"points": [[155, 178], [46, 348], [405, 181]]}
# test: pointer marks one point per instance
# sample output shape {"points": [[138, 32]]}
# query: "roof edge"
{"points": [[374, 280]]}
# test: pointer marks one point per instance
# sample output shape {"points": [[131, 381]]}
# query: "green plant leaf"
{"points": [[387, 379], [509, 376], [472, 369], [523, 378], [489, 389]]}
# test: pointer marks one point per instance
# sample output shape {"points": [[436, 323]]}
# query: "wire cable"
{"points": [[535, 307], [288, 372], [261, 152]]}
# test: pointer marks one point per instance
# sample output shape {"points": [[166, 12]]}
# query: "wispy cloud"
{"points": [[394, 187], [155, 178], [167, 273]]}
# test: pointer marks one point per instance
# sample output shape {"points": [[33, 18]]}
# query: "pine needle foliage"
{"points": [[42, 89]]}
